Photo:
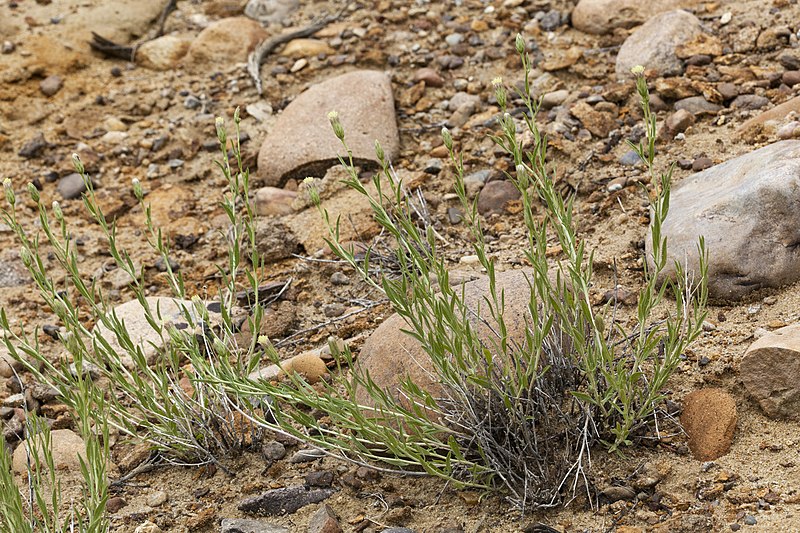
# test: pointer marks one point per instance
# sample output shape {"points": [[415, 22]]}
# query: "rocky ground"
{"points": [[724, 77]]}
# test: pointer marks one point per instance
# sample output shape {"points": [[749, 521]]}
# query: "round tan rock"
{"points": [[67, 446], [770, 370], [163, 53], [306, 48], [603, 16], [308, 364], [709, 418], [302, 143], [391, 356], [224, 42]]}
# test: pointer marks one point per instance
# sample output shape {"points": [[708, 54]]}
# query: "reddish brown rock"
{"points": [[770, 370], [709, 418], [302, 143]]}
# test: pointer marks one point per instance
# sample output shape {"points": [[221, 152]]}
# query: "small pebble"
{"points": [[51, 85], [8, 47], [339, 278], [702, 163], [750, 520]]}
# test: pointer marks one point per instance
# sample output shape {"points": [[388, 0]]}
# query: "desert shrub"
{"points": [[521, 417]]}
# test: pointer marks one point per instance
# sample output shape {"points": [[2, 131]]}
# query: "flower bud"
{"points": [[519, 43], [78, 164], [34, 192], [379, 151], [137, 188], [336, 124], [447, 139], [311, 188], [237, 116], [57, 211], [25, 255], [9, 192], [219, 124], [263, 340]]}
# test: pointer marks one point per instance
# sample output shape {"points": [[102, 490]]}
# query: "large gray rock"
{"points": [[302, 143], [603, 16], [653, 44], [133, 315], [746, 209], [391, 356], [770, 370]]}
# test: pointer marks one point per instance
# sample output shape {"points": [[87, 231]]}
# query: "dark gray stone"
{"points": [[283, 501]]}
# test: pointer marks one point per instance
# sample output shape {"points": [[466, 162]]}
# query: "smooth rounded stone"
{"points": [[163, 53], [653, 44], [391, 356], [709, 419], [790, 59], [702, 163], [749, 101], [728, 91], [71, 186], [454, 39], [223, 42], [603, 16], [246, 525], [51, 85], [769, 371], [679, 121], [301, 143], [308, 364], [791, 77], [697, 105], [298, 48], [67, 447], [630, 159], [273, 201], [461, 115], [132, 314], [495, 195], [430, 76], [554, 98], [746, 209], [8, 365], [270, 11]]}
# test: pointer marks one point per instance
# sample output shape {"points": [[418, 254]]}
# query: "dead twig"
{"points": [[266, 47], [109, 48]]}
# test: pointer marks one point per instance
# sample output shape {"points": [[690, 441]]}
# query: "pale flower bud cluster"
{"points": [[310, 185], [9, 190], [336, 124]]}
